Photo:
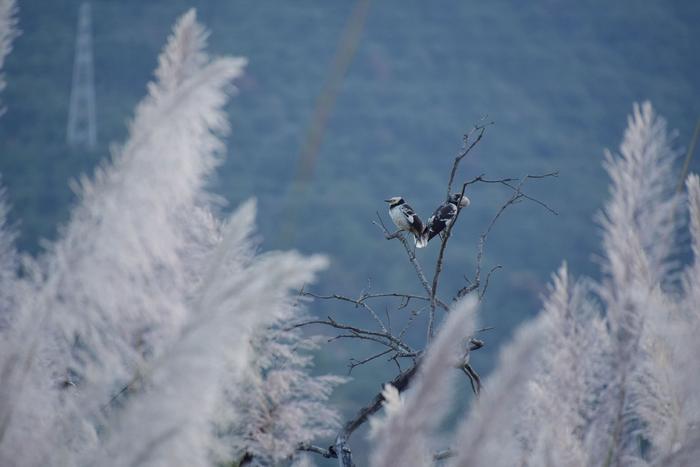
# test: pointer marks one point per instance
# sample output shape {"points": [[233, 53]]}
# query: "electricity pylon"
{"points": [[82, 120]]}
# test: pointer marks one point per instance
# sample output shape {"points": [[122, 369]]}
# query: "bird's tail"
{"points": [[421, 240]]}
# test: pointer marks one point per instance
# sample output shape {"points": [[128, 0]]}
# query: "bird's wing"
{"points": [[412, 218], [440, 219]]}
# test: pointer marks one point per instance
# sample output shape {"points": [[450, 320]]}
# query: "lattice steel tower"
{"points": [[82, 120]]}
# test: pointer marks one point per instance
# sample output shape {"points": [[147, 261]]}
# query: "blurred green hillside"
{"points": [[557, 77]]}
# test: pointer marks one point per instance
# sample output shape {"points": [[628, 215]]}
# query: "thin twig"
{"points": [[355, 363], [516, 196], [474, 378], [359, 302], [488, 278], [410, 321], [388, 318], [368, 296], [411, 254], [329, 453], [392, 341], [466, 148]]}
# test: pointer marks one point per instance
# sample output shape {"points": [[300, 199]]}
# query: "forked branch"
{"points": [[394, 345]]}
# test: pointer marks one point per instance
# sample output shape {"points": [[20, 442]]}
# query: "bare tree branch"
{"points": [[507, 182], [474, 378], [406, 297], [466, 148], [479, 130], [381, 337], [410, 252], [516, 196], [355, 363], [359, 302], [329, 453], [410, 322], [400, 382], [488, 278], [395, 347]]}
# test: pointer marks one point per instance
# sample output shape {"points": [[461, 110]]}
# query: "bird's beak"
{"points": [[387, 201]]}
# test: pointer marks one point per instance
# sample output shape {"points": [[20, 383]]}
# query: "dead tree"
{"points": [[394, 346]]}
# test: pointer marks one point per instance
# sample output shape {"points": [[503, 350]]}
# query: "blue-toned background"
{"points": [[557, 77]]}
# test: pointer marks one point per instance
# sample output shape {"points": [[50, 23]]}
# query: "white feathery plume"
{"points": [[640, 214], [559, 404], [9, 262], [8, 33], [24, 400], [392, 405], [404, 435], [540, 401], [691, 282], [667, 389], [8, 255], [277, 404], [128, 229], [8, 28], [169, 422], [115, 285], [303, 460], [638, 233], [661, 406], [685, 457], [485, 437], [183, 56]]}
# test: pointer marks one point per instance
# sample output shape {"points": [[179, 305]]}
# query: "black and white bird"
{"points": [[406, 219], [443, 216]]}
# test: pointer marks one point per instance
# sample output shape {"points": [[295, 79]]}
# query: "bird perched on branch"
{"points": [[406, 219], [443, 216]]}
